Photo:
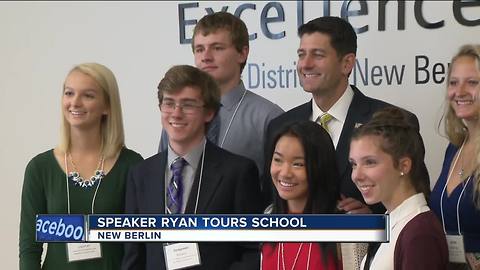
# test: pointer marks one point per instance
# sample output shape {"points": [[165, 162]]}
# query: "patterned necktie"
{"points": [[175, 188], [323, 121], [214, 130]]}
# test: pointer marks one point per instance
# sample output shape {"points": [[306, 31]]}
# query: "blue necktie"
{"points": [[175, 187]]}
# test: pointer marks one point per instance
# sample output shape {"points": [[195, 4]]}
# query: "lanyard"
{"points": [[199, 183], [233, 116], [281, 247], [459, 197], [68, 189]]}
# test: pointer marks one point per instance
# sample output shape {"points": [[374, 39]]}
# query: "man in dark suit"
{"points": [[326, 57], [209, 180]]}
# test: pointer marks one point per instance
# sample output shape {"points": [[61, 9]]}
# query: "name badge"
{"points": [[456, 249], [83, 251], [181, 255]]}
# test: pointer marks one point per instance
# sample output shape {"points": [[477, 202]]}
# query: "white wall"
{"points": [[40, 42]]}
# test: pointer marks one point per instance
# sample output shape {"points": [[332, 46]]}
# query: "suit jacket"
{"points": [[229, 186], [359, 112]]}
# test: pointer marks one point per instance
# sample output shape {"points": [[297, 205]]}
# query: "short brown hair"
{"points": [[225, 21], [181, 76], [342, 35]]}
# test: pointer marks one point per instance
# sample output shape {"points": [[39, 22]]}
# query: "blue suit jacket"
{"points": [[229, 186], [360, 111]]}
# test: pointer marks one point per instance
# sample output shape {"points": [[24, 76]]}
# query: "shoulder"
{"points": [[259, 109], [42, 166], [226, 157], [423, 226], [148, 166], [450, 152], [377, 104], [372, 105], [421, 244], [153, 160], [451, 149], [264, 103], [131, 155], [364, 100], [302, 108], [42, 160], [301, 112]]}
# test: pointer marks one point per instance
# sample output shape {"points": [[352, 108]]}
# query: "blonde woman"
{"points": [[84, 174], [455, 197]]}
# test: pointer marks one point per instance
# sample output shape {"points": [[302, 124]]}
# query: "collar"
{"points": [[192, 157], [339, 109], [413, 205], [231, 99]]}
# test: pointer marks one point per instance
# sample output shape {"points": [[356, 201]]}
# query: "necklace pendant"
{"points": [[77, 179], [89, 182], [461, 172], [81, 182]]}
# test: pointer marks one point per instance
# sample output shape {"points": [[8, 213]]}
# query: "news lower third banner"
{"points": [[213, 228]]}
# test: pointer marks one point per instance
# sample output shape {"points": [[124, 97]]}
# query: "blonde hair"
{"points": [[455, 128], [111, 124]]}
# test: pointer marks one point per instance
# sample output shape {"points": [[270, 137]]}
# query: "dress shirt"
{"points": [[193, 159], [339, 112], [246, 134]]}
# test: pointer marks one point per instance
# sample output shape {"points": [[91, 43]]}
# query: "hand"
{"points": [[473, 260], [352, 206]]}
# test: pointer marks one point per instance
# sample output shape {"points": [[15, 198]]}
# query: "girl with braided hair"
{"points": [[387, 155]]}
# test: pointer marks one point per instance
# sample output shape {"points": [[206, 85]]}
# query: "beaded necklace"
{"points": [[77, 179]]}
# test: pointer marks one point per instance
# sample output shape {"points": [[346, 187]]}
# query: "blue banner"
{"points": [[227, 222], [60, 228]]}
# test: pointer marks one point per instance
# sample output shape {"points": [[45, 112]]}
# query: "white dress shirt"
{"points": [[339, 112]]}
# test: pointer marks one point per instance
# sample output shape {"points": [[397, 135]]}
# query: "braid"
{"points": [[400, 139]]}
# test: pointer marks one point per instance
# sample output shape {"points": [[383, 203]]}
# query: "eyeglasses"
{"points": [[168, 106]]}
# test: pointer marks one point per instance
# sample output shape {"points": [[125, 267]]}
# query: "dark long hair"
{"points": [[322, 174], [320, 164]]}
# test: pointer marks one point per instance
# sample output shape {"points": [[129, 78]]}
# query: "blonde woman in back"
{"points": [[455, 197], [84, 174]]}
